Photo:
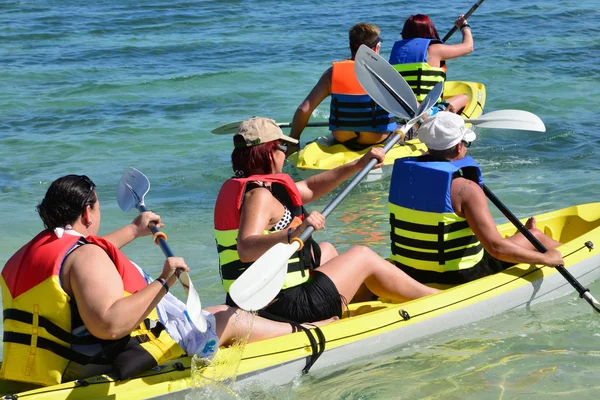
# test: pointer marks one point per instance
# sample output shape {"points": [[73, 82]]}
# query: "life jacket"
{"points": [[43, 331], [430, 242], [409, 57], [352, 109], [227, 222]]}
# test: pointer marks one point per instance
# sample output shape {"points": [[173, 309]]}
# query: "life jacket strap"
{"points": [[317, 349], [53, 329], [100, 358]]}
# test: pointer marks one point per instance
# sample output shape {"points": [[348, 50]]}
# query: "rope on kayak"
{"points": [[316, 348]]}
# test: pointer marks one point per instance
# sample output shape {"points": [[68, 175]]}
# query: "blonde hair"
{"points": [[362, 33]]}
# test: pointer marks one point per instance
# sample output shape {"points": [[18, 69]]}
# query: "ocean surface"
{"points": [[95, 87]]}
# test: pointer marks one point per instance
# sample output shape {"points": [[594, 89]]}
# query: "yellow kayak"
{"points": [[326, 153], [371, 327]]}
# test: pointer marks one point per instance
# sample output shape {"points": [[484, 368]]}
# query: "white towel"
{"points": [[171, 312]]}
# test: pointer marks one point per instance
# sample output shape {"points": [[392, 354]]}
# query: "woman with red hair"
{"points": [[261, 206], [420, 58]]}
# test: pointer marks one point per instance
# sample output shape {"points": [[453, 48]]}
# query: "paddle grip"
{"points": [[357, 178], [467, 15], [161, 240], [536, 243]]}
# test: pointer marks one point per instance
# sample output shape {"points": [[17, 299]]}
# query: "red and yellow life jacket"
{"points": [[227, 222], [39, 317]]}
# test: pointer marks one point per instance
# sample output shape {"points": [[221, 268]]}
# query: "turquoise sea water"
{"points": [[95, 87]]}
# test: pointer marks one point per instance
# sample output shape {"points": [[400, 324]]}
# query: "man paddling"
{"points": [[354, 118], [442, 230]]}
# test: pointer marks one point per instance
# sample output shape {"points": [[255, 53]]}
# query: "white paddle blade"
{"points": [[193, 305], [131, 190], [263, 280], [384, 84], [509, 119], [432, 98], [227, 129]]}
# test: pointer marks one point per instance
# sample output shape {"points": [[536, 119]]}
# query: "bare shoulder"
{"points": [[87, 256], [465, 193], [325, 81], [434, 48], [259, 195]]}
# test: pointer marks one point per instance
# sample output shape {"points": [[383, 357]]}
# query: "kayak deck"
{"points": [[375, 326], [326, 153]]}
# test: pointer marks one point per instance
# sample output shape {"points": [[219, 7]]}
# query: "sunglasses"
{"points": [[467, 144], [91, 186], [282, 146], [376, 42]]}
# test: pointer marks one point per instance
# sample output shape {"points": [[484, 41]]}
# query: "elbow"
{"points": [[303, 108], [244, 253], [496, 250], [108, 331], [468, 48], [244, 257]]}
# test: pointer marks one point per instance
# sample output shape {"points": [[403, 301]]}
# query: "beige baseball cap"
{"points": [[444, 130], [259, 130]]}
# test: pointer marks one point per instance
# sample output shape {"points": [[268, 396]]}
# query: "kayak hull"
{"points": [[325, 153], [377, 326]]}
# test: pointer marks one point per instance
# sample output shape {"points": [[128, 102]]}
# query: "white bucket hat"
{"points": [[444, 130]]}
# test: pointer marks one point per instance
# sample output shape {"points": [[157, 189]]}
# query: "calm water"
{"points": [[95, 87]]}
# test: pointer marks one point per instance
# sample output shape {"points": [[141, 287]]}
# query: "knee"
{"points": [[222, 311], [327, 250], [362, 252], [537, 233]]}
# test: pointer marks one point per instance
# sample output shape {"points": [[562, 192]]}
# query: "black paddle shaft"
{"points": [[537, 244], [467, 15]]}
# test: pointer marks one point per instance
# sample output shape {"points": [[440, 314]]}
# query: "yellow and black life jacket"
{"points": [[429, 241], [227, 222], [352, 109], [409, 58], [43, 332]]}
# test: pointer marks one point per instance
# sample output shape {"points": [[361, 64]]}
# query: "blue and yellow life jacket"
{"points": [[352, 109], [227, 222], [43, 332], [409, 58], [430, 242]]}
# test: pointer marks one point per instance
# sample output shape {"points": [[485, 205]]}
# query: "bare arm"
{"points": [[321, 90], [470, 202], [440, 52], [99, 292], [139, 227], [319, 185]]}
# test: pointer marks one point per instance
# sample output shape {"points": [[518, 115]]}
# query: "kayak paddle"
{"points": [[583, 292], [509, 119], [467, 15], [381, 89], [231, 128], [263, 280], [499, 119], [130, 194]]}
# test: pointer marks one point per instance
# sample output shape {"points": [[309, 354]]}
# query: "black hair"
{"points": [[66, 200]]}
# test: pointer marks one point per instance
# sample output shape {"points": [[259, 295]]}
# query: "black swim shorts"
{"points": [[314, 300]]}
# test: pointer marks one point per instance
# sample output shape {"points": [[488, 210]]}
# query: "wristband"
{"points": [[164, 284], [289, 234], [465, 26]]}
